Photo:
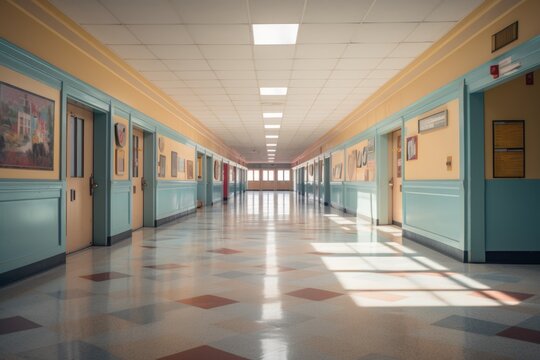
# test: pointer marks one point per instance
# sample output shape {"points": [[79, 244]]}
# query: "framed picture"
{"points": [[412, 148], [508, 148], [174, 164], [120, 161], [189, 169], [120, 134], [310, 169], [161, 144], [217, 170], [359, 159], [26, 129], [181, 165], [351, 165], [162, 166], [364, 156]]}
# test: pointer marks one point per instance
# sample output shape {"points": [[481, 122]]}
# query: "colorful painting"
{"points": [[120, 134], [412, 148], [26, 129]]}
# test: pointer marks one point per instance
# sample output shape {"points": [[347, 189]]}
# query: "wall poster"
{"points": [[162, 166], [26, 129], [412, 148], [174, 164], [189, 166]]}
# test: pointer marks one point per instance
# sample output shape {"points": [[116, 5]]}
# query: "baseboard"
{"points": [[397, 223], [513, 257], [32, 269], [168, 219], [111, 240], [454, 253]]}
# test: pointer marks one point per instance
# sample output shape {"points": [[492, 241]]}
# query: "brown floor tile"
{"points": [[502, 295], [16, 323], [314, 294], [207, 301], [519, 333], [109, 275], [165, 266], [203, 353], [276, 268], [225, 251]]}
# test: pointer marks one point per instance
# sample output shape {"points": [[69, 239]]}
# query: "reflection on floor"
{"points": [[271, 276]]}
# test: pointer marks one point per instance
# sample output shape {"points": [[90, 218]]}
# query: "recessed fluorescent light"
{"points": [[272, 115], [272, 126], [271, 150], [272, 136], [273, 91], [275, 34], [271, 144]]}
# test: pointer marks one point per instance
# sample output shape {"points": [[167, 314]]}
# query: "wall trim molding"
{"points": [[114, 239], [447, 250], [37, 267], [171, 218], [513, 257]]}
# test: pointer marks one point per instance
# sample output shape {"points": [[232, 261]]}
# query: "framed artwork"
{"points": [[217, 170], [181, 165], [310, 169], [508, 148], [26, 129], [189, 169], [398, 156], [162, 165], [120, 161], [174, 164], [412, 148], [161, 144], [359, 159], [351, 164], [120, 134], [364, 156]]}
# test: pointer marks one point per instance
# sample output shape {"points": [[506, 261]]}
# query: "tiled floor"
{"points": [[271, 276]]}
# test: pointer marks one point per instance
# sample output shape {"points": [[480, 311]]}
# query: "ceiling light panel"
{"points": [[272, 136], [271, 145], [273, 91], [268, 126], [275, 34], [272, 115]]}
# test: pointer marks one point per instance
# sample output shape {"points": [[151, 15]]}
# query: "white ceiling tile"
{"points": [[86, 12], [202, 83], [273, 83], [399, 10], [276, 11], [453, 10], [237, 83], [180, 92], [161, 34], [274, 64], [368, 50], [300, 91], [186, 65], [132, 51], [273, 74], [394, 63], [319, 51], [207, 91], [326, 33], [142, 11], [169, 84], [410, 49], [159, 75], [241, 90], [226, 51], [382, 74], [112, 34], [225, 64], [195, 75], [273, 51], [372, 82], [244, 97], [235, 74], [215, 97], [336, 91], [358, 64], [311, 74], [328, 11], [172, 52], [307, 83], [383, 32], [147, 65], [212, 11], [220, 34], [345, 83], [432, 31], [314, 64], [351, 74]]}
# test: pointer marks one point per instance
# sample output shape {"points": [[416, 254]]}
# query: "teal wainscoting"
{"points": [[309, 189], [30, 222], [512, 215], [435, 209], [232, 189], [120, 207], [336, 195], [360, 198], [217, 191], [175, 197]]}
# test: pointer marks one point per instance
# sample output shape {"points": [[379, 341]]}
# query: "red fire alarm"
{"points": [[494, 71], [529, 78]]}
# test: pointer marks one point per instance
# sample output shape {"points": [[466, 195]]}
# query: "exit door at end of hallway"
{"points": [[137, 180], [396, 181]]}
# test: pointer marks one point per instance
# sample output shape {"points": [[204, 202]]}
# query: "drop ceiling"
{"points": [[201, 53]]}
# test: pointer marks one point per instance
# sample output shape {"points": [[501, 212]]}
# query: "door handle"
{"points": [[391, 183], [144, 184], [93, 185]]}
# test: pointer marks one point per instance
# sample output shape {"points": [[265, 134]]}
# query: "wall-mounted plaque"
{"points": [[412, 148], [120, 161], [174, 164], [433, 122], [162, 166], [351, 165], [508, 148], [189, 169], [120, 134], [161, 144]]}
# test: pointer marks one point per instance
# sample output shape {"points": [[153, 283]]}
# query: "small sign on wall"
{"points": [[412, 148], [433, 122]]}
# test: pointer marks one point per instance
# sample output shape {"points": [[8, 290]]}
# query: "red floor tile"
{"points": [[203, 353], [165, 266], [225, 251], [207, 301], [16, 323], [314, 294], [519, 333], [105, 276]]}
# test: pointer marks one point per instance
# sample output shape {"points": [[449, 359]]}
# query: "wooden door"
{"points": [[137, 179], [396, 182], [80, 167]]}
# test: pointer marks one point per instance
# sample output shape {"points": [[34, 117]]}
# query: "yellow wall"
{"points": [[365, 173], [434, 147], [36, 87], [127, 153], [337, 158], [38, 27], [466, 47], [515, 101], [185, 152]]}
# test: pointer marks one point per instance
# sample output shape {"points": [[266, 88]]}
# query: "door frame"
{"points": [[208, 176]]}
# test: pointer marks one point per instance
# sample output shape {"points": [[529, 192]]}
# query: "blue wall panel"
{"points": [[175, 197], [217, 191], [120, 207], [435, 209], [512, 215], [361, 199], [336, 194], [30, 223]]}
